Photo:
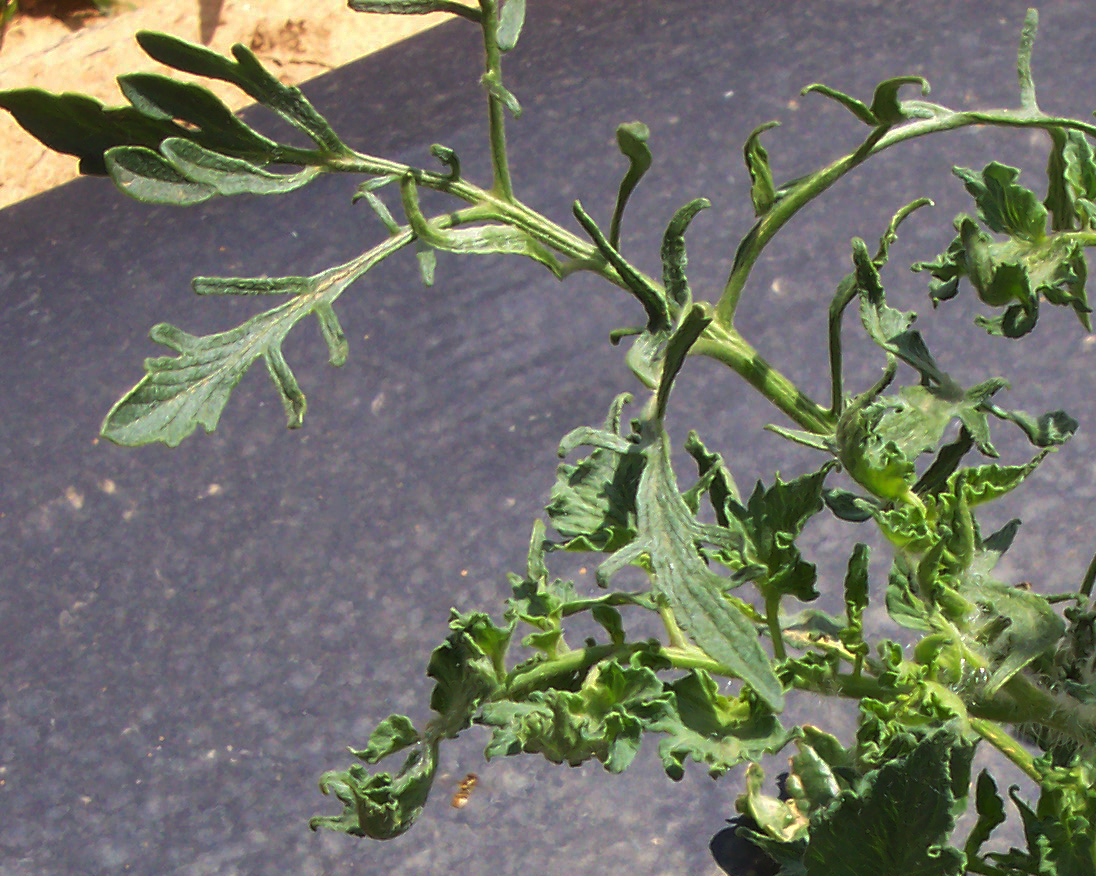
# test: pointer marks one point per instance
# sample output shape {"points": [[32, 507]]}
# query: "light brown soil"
{"points": [[44, 53]]}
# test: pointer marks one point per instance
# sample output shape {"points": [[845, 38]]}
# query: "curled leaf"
{"points": [[632, 140], [762, 191]]}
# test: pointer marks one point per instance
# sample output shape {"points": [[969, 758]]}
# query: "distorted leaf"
{"points": [[632, 140], [762, 190]]}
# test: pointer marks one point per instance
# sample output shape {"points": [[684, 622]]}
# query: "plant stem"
{"points": [[772, 618], [545, 673], [496, 112], [726, 345], [1009, 747]]}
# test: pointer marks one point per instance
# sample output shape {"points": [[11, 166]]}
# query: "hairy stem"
{"points": [[1009, 747]]}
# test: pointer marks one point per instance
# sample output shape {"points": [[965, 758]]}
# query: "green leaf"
{"points": [[904, 604], [249, 75], [985, 483], [1060, 832], [689, 328], [611, 621], [900, 819], [394, 733], [885, 106], [1023, 61], [605, 719], [720, 485], [646, 355], [146, 176], [511, 19], [819, 771], [1050, 430], [650, 296], [890, 328], [477, 240], [592, 504], [771, 521], [81, 126], [944, 466], [449, 158], [1071, 181], [776, 818], [1003, 205], [856, 595], [187, 174], [379, 805], [714, 730], [416, 7], [499, 92], [885, 110], [1013, 274], [227, 175], [178, 394], [252, 285], [857, 107], [890, 236], [673, 254], [991, 814], [1011, 627], [669, 541], [632, 140], [208, 119], [467, 668], [762, 191]]}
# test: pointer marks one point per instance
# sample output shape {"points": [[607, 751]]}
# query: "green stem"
{"points": [[1009, 747], [726, 345], [547, 672], [772, 618], [673, 631], [496, 112]]}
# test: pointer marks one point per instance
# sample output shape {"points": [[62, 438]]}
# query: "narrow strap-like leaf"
{"points": [[885, 106], [416, 7], [673, 252], [691, 327], [857, 107], [762, 191], [1023, 60], [632, 140], [228, 175], [251, 285], [652, 298]]}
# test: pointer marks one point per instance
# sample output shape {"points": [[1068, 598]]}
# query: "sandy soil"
{"points": [[45, 53]]}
